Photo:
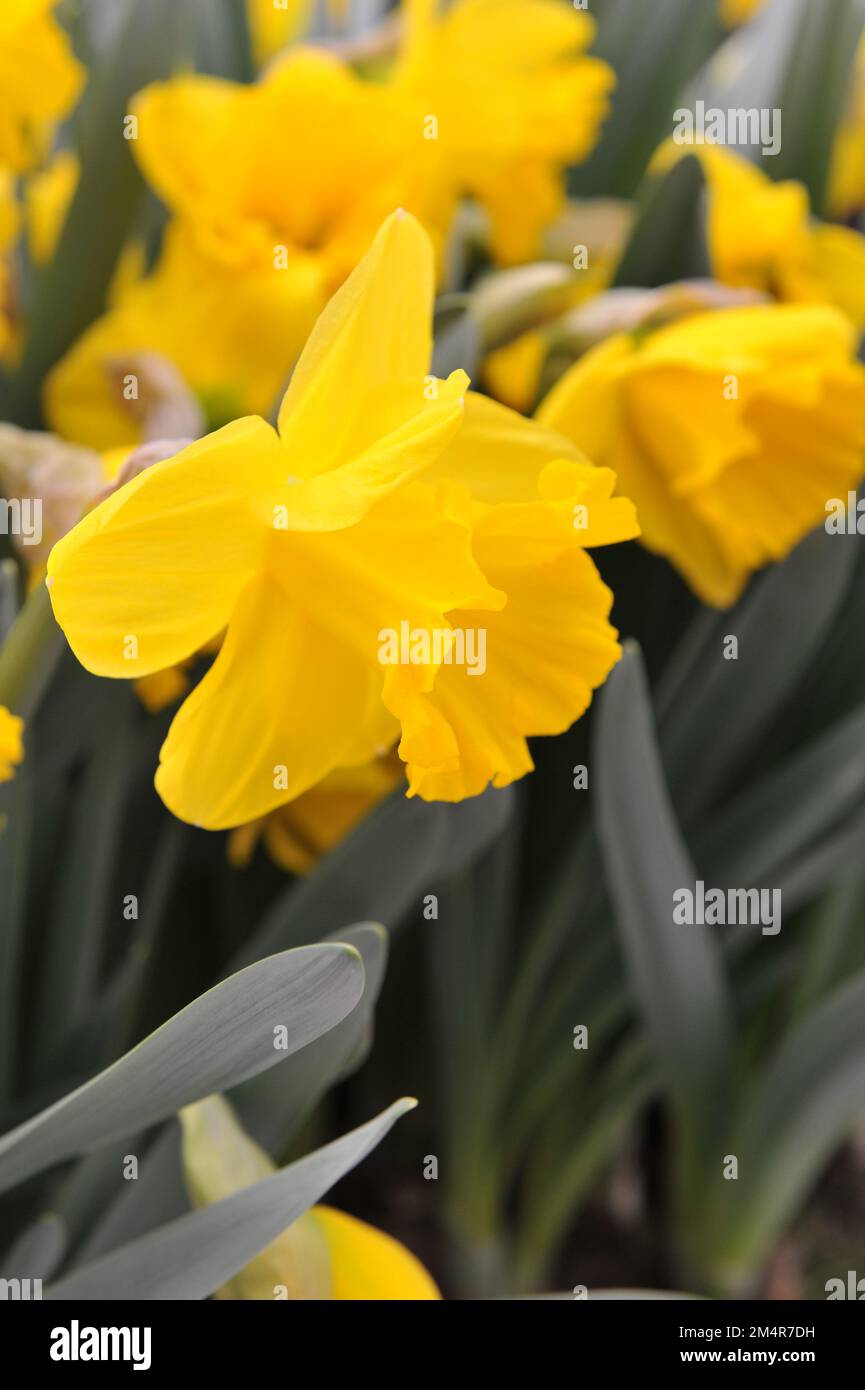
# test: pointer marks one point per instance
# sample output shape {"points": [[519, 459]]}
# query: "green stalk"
{"points": [[29, 655]]}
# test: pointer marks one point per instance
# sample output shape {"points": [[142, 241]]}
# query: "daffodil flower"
{"points": [[295, 171], [326, 1254], [232, 336], [387, 498], [272, 27], [762, 236], [40, 78], [508, 98], [298, 834], [734, 12], [11, 743], [730, 430]]}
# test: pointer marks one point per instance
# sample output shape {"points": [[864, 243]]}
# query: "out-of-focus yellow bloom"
{"points": [[297, 170], [10, 221], [386, 498], [774, 424], [39, 78], [846, 192], [507, 98], [740, 11], [47, 196], [11, 743], [273, 26], [762, 236], [163, 688], [512, 373], [297, 835], [326, 1254], [10, 215], [233, 338]]}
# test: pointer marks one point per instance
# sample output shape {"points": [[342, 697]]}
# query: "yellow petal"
{"points": [[39, 78], [218, 154], [11, 743], [784, 401], [154, 572], [368, 1264], [421, 431], [219, 1159], [283, 704], [499, 455], [375, 330], [233, 337], [546, 650]]}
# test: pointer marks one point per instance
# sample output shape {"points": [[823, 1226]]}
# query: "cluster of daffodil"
{"points": [[311, 217], [278, 567]]}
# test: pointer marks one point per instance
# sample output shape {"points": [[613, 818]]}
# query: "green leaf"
{"points": [[29, 654], [191, 1257], [17, 812], [80, 915], [219, 1040], [457, 337], [787, 811], [37, 1252], [275, 1104], [814, 91], [9, 603], [674, 969], [780, 625], [653, 49], [804, 1103], [669, 238], [382, 868]]}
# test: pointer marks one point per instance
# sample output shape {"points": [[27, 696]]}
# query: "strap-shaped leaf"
{"points": [[668, 241], [194, 1255], [805, 1102], [653, 49], [274, 1104], [420, 841], [780, 625], [217, 1041], [674, 968], [787, 811]]}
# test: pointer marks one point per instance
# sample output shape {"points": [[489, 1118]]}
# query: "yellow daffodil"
{"points": [[272, 26], [762, 236], [296, 171], [232, 337], [729, 430], [388, 502], [40, 78], [846, 191], [508, 98], [297, 835], [326, 1254], [47, 196], [10, 219], [735, 12], [11, 743]]}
